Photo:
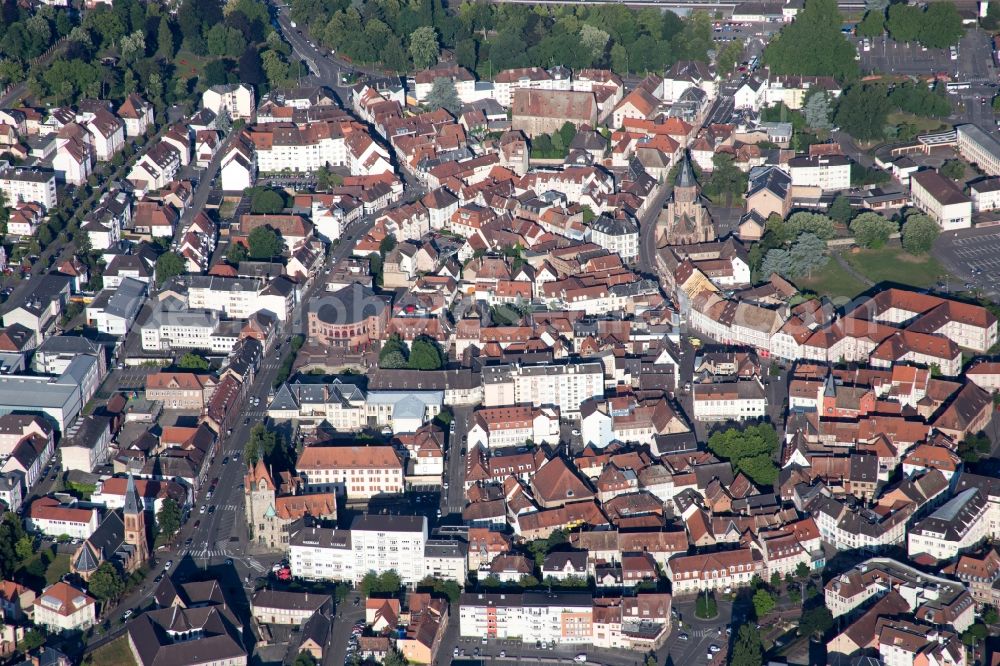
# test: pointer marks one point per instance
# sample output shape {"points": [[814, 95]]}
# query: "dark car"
{"points": [[225, 461]]}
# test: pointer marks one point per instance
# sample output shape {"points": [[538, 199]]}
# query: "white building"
{"points": [[107, 133], [563, 386], [827, 172], [239, 168], [374, 543], [62, 607], [980, 148], [957, 526], [565, 618], [167, 330], [28, 184], [500, 427], [114, 310], [985, 195], [354, 472], [723, 401], [85, 445], [156, 169], [137, 114], [234, 99], [942, 199], [47, 516], [616, 234]]}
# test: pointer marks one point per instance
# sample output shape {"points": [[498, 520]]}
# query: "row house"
{"points": [[690, 574], [354, 472], [499, 427], [157, 168], [374, 543]]}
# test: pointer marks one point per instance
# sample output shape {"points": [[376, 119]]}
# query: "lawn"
{"points": [[892, 264], [922, 123], [116, 652], [58, 568], [832, 280], [190, 65]]}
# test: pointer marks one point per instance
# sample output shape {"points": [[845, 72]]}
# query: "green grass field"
{"points": [[58, 568], [832, 281], [892, 264], [116, 652]]}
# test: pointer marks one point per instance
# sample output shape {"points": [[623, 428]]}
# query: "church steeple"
{"points": [[134, 515], [133, 503], [685, 178]]}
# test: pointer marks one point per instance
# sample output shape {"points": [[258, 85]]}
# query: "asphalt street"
{"points": [[647, 230], [453, 500]]}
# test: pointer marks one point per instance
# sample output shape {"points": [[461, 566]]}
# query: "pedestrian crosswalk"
{"points": [[206, 553], [256, 566]]}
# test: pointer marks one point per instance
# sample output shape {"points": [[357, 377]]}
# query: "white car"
{"points": [[714, 648], [580, 658]]}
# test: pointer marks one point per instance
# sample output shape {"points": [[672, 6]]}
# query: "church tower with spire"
{"points": [[684, 220], [134, 517]]}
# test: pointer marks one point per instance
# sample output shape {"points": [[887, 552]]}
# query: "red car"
{"points": [[284, 574]]}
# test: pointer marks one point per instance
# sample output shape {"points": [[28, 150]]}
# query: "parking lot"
{"points": [[973, 256], [886, 56]]}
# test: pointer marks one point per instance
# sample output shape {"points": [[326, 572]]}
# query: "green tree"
{"points": [[841, 210], [904, 22], [775, 580], [871, 230], [275, 67], [953, 169], [304, 659], [705, 606], [729, 55], [802, 571], [448, 588], [747, 649], [749, 449], [394, 658], [236, 252], [595, 41], [817, 111], [727, 180], [763, 603], [265, 243], [806, 254], [393, 345], [872, 25], [941, 26], [443, 95], [388, 582], [424, 47], [33, 639], [990, 615], [24, 548], [813, 44], [169, 517], [192, 361], [816, 621], [168, 265], [266, 202], [863, 110], [106, 583], [425, 354], [804, 222], [919, 233]]}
